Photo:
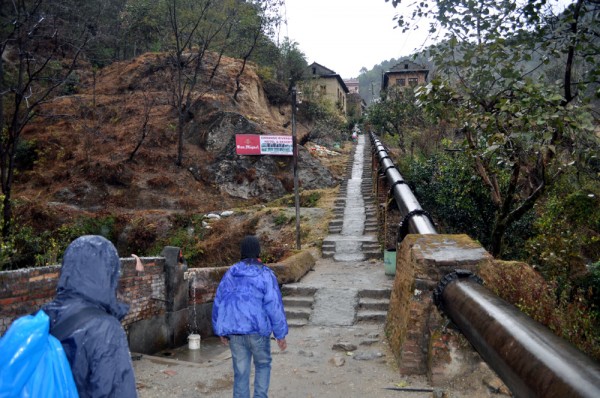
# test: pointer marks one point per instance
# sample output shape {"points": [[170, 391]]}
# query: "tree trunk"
{"points": [[180, 123], [6, 214]]}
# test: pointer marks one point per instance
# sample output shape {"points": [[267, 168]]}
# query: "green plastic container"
{"points": [[389, 261]]}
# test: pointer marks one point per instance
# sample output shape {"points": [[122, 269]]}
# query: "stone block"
{"points": [[293, 268]]}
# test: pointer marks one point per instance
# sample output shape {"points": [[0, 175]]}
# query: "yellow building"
{"points": [[405, 74], [326, 84]]}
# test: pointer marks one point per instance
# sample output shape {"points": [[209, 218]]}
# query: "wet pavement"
{"points": [[336, 343]]}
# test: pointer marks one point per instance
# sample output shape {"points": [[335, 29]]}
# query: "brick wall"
{"points": [[24, 291], [145, 291], [414, 325]]}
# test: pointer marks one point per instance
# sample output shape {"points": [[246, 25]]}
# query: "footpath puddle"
{"points": [[211, 351]]}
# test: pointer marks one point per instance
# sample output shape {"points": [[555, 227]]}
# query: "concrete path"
{"points": [[336, 344]]}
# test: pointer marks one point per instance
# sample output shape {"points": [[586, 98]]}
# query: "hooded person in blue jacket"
{"points": [[97, 349], [246, 310]]}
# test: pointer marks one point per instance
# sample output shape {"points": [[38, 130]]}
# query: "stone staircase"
{"points": [[333, 295], [367, 243], [298, 303], [371, 307]]}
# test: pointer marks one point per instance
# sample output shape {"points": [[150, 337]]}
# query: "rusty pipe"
{"points": [[528, 357]]}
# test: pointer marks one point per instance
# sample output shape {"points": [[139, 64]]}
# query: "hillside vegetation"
{"points": [[502, 143], [81, 175], [119, 118]]}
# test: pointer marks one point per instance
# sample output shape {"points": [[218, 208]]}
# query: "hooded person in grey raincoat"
{"points": [[97, 349]]}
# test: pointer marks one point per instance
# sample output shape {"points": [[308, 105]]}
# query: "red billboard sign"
{"points": [[254, 144], [247, 144]]}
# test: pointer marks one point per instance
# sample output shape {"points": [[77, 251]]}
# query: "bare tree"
{"points": [[264, 18], [145, 130], [193, 33], [32, 51]]}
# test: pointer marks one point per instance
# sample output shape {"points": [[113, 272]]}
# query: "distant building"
{"points": [[356, 106], [327, 84], [352, 85], [405, 74]]}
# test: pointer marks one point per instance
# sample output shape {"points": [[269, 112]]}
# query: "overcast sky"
{"points": [[346, 35]]}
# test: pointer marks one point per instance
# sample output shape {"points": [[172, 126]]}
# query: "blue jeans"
{"points": [[243, 349]]}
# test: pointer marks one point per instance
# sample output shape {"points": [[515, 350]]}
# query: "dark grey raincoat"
{"points": [[97, 350]]}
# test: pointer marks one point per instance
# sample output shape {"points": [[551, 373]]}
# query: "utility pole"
{"points": [[295, 150]]}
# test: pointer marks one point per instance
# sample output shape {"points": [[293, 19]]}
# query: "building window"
{"points": [[323, 89], [401, 82], [413, 81], [314, 70], [405, 66]]}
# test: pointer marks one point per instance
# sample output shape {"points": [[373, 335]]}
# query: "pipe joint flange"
{"points": [[458, 274], [403, 226], [381, 171], [391, 166], [397, 182]]}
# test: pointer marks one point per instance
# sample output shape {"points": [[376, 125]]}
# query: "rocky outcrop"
{"points": [[263, 177]]}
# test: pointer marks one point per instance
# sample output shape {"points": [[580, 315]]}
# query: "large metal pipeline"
{"points": [[416, 220], [530, 359]]}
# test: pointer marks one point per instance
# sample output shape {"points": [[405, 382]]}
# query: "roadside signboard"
{"points": [[254, 144]]}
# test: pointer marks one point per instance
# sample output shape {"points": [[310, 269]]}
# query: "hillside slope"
{"points": [[83, 142]]}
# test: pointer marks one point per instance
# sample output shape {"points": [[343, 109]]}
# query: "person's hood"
{"points": [[249, 267], [90, 270]]}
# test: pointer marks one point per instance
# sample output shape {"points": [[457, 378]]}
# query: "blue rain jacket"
{"points": [[97, 350], [248, 301]]}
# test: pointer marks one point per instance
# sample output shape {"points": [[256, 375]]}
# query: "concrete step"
{"points": [[328, 253], [371, 245], [299, 322], [298, 313], [297, 290], [371, 316], [298, 301], [375, 293], [372, 255], [373, 304], [372, 248]]}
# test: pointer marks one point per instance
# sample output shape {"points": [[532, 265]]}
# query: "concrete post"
{"points": [[176, 295]]}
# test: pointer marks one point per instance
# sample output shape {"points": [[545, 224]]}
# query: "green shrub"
{"points": [[447, 187], [26, 154], [310, 199], [281, 219], [568, 315], [567, 234]]}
